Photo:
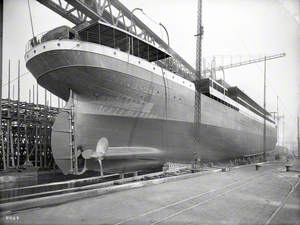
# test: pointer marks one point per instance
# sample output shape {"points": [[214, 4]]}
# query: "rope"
{"points": [[23, 74], [270, 86]]}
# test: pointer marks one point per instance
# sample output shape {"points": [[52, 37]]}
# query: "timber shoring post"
{"points": [[8, 118], [1, 59], [18, 118], [36, 125], [265, 103], [298, 135], [45, 130]]}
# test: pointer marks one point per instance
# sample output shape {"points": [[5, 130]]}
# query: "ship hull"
{"points": [[175, 138], [138, 105]]}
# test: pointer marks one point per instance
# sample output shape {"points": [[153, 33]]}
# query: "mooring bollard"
{"points": [[288, 167], [225, 169], [257, 167]]}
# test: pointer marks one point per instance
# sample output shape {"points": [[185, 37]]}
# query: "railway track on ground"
{"points": [[73, 186], [48, 189], [15, 198], [166, 212]]}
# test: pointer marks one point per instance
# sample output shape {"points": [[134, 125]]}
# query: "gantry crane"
{"points": [[242, 63], [85, 12]]}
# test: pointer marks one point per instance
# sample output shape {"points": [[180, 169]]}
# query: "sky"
{"points": [[234, 30]]}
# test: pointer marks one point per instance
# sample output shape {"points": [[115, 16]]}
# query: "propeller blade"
{"points": [[97, 155], [101, 168], [102, 146]]}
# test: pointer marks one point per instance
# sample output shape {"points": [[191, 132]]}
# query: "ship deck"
{"points": [[243, 195]]}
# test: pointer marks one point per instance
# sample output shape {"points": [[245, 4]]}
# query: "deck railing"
{"points": [[36, 40]]}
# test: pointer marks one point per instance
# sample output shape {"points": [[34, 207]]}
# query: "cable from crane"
{"points": [[23, 74], [30, 19], [163, 73]]}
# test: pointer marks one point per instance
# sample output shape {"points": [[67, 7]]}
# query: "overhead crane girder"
{"points": [[243, 63], [115, 13]]}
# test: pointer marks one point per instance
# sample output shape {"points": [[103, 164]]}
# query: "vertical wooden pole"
{"points": [[18, 118], [12, 154], [40, 144], [13, 92], [37, 95], [45, 140], [70, 130], [26, 142], [277, 121], [8, 121], [36, 126], [33, 94], [8, 87], [298, 135], [265, 103], [283, 130], [45, 97], [29, 96], [44, 133], [1, 51], [50, 100]]}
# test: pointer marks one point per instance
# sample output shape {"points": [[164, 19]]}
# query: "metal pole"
{"points": [[18, 118], [197, 104], [131, 16], [265, 99], [199, 40], [1, 46], [31, 23]]}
